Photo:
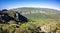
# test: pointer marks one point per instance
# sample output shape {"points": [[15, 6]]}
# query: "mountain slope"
{"points": [[38, 13]]}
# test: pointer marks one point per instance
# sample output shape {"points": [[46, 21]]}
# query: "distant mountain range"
{"points": [[38, 13], [27, 10]]}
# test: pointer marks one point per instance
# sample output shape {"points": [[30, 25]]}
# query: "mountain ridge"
{"points": [[34, 8], [38, 13]]}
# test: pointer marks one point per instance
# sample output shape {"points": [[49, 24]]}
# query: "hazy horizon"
{"points": [[10, 4]]}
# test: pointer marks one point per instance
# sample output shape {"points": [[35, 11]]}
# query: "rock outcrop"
{"points": [[6, 16]]}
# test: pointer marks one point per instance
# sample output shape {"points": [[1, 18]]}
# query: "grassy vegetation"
{"points": [[49, 22], [30, 27]]}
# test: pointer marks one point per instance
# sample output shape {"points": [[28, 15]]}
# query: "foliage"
{"points": [[50, 22]]}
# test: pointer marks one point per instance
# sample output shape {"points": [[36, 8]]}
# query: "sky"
{"points": [[10, 4]]}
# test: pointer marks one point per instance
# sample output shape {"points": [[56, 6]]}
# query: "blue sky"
{"points": [[9, 4]]}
